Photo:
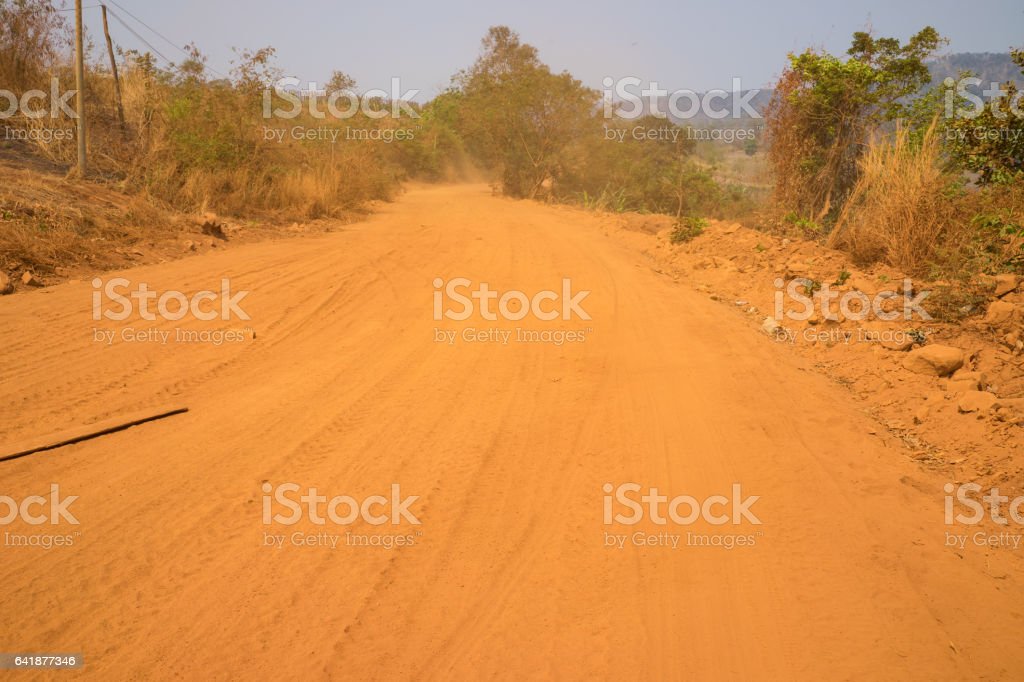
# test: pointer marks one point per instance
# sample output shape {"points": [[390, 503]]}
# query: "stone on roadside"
{"points": [[1000, 313], [30, 280], [935, 360], [976, 401], [974, 381], [1006, 284]]}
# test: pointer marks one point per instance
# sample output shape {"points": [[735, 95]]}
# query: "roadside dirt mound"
{"points": [[967, 422], [54, 228]]}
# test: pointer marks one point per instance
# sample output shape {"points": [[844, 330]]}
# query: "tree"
{"points": [[33, 34], [517, 115], [341, 82], [825, 108]]}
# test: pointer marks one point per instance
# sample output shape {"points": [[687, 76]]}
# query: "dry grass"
{"points": [[48, 221], [900, 210]]}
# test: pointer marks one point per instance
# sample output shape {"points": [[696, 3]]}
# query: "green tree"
{"points": [[517, 115], [825, 108]]}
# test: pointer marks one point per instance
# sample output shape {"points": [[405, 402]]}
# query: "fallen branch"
{"points": [[82, 433]]}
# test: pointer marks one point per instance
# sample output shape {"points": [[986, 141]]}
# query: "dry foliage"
{"points": [[909, 210]]}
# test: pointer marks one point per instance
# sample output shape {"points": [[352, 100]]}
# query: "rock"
{"points": [[922, 414], [976, 380], [770, 326], [935, 360], [1000, 313], [1006, 284], [796, 267], [30, 280], [976, 401], [1012, 405], [5, 285], [898, 342], [863, 285], [189, 245], [962, 386], [1007, 415], [214, 230]]}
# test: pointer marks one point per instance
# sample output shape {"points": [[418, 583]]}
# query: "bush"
{"points": [[910, 210], [824, 109], [687, 229]]}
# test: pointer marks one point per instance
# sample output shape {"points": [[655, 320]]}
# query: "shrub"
{"points": [[688, 228], [824, 109]]}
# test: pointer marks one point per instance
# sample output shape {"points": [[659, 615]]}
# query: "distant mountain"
{"points": [[990, 67]]}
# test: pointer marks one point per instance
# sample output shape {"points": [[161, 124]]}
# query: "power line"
{"points": [[135, 33], [161, 36]]}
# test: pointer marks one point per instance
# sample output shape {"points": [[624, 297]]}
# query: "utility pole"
{"points": [[80, 85], [113, 69]]}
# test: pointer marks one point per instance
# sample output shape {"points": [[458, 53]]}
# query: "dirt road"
{"points": [[512, 572]]}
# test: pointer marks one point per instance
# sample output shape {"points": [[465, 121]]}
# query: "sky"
{"points": [[678, 43]]}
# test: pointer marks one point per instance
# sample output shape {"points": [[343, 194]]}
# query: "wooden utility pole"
{"points": [[113, 69], [80, 84]]}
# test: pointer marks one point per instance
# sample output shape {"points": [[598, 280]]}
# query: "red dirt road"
{"points": [[174, 575]]}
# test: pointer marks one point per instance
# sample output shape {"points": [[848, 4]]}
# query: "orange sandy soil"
{"points": [[507, 448]]}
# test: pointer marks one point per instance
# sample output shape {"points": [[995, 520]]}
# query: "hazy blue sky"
{"points": [[680, 44]]}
